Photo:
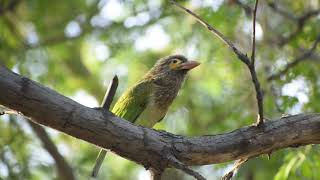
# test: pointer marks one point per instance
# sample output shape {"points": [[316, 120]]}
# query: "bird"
{"points": [[147, 101]]}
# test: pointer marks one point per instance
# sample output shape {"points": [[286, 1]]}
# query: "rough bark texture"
{"points": [[145, 146]]}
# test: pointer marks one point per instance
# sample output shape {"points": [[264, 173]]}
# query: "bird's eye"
{"points": [[174, 61]]}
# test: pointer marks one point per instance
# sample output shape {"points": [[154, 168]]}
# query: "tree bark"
{"points": [[149, 147]]}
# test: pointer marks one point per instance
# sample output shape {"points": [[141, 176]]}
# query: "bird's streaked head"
{"points": [[175, 64], [171, 70]]}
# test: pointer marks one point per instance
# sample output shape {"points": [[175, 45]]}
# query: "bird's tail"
{"points": [[99, 160]]}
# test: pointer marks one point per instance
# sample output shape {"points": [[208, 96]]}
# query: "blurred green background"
{"points": [[76, 46]]}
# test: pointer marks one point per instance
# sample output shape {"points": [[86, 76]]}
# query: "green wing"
{"points": [[133, 101]]}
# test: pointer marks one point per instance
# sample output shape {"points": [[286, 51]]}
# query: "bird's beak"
{"points": [[189, 65]]}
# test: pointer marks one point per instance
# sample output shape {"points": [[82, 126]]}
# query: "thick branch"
{"points": [[147, 146]]}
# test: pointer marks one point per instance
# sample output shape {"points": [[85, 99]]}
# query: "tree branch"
{"points": [[300, 21], [106, 102], [64, 170], [10, 7], [259, 95], [242, 57], [254, 33], [296, 61], [247, 9], [146, 146], [235, 168], [179, 165], [281, 11]]}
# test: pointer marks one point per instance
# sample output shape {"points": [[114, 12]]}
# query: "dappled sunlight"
{"points": [[72, 29], [299, 89], [77, 47], [247, 29], [155, 38], [85, 99]]}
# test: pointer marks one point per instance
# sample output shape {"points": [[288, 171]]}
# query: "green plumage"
{"points": [[147, 102], [134, 101]]}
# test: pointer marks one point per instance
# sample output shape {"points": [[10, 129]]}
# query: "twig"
{"points": [[179, 165], [65, 171], [242, 57], [111, 91], [299, 20], [296, 61], [254, 33], [255, 80], [247, 9], [281, 11], [258, 90], [236, 166], [106, 102], [300, 23], [304, 17], [10, 7], [155, 174]]}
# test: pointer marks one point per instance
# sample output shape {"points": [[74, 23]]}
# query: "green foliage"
{"points": [[76, 46]]}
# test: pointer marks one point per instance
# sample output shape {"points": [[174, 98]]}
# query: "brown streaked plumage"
{"points": [[147, 102]]}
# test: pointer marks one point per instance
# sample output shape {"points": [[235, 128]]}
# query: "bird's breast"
{"points": [[158, 104], [152, 114]]}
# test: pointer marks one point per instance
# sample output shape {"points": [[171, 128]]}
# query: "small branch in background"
{"points": [[247, 9], [300, 21], [259, 94], [296, 61], [281, 11], [10, 7], [235, 168], [64, 170], [106, 102], [254, 33], [241, 56]]}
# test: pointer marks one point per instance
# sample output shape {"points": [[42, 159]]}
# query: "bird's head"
{"points": [[175, 64], [172, 67]]}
